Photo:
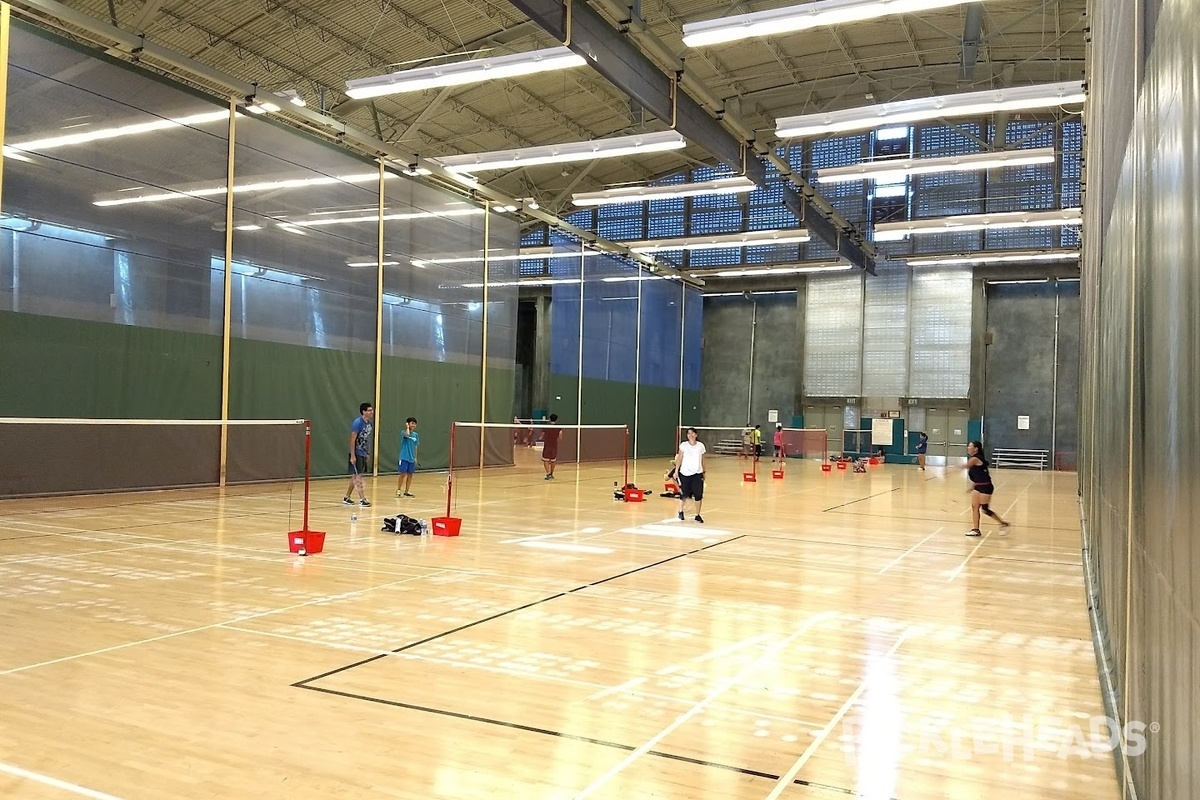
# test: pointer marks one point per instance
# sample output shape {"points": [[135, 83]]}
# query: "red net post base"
{"points": [[635, 495], [777, 474], [306, 543], [446, 526]]}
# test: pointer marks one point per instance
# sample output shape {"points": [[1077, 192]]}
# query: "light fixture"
{"points": [[559, 153], [463, 72], [743, 294], [1011, 98], [746, 239], [52, 142], [371, 263], [372, 218], [415, 171], [896, 231], [765, 271], [994, 257], [891, 170], [524, 254], [637, 194], [1023, 280], [801, 17], [292, 96], [157, 194], [524, 282], [256, 106]]}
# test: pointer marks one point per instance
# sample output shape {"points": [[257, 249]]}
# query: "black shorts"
{"points": [[692, 486], [985, 488], [361, 466]]}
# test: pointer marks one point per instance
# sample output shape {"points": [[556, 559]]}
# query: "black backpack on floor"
{"points": [[401, 524]]}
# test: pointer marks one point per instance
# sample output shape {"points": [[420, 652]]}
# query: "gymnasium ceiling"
{"points": [[315, 46]]}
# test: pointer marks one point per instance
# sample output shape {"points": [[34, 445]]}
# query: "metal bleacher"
{"points": [[1028, 459]]}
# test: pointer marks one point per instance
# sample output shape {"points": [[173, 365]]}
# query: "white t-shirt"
{"points": [[691, 464]]}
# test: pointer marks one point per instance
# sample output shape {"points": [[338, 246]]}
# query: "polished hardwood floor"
{"points": [[820, 636]]}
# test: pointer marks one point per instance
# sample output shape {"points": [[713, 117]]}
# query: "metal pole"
{"points": [[487, 268], [579, 365], [228, 297], [5, 33], [307, 467], [682, 345], [450, 468], [750, 381], [1054, 390], [637, 373], [378, 325]]}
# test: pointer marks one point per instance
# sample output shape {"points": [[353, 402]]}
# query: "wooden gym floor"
{"points": [[821, 636]]}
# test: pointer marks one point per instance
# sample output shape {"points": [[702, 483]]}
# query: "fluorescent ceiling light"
{"points": [[560, 153], [743, 294], [889, 170], [1025, 280], [264, 107], [372, 218], [535, 253], [1012, 98], [371, 263], [637, 194], [746, 239], [895, 231], [52, 142], [145, 194], [629, 278], [994, 258], [526, 282], [794, 269], [462, 72], [801, 17]]}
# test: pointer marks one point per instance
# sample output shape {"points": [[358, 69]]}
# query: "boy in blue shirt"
{"points": [[409, 442], [360, 452]]}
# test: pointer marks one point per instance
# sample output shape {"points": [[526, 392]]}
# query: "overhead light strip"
{"points": [[464, 72], [718, 241], [971, 259], [637, 194], [892, 170], [120, 131], [896, 231], [561, 153], [802, 17], [1011, 98]]}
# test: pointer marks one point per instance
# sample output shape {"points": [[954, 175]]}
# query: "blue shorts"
{"points": [[408, 466]]}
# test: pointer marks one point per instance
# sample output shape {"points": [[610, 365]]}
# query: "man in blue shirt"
{"points": [[408, 457], [360, 454], [922, 445]]}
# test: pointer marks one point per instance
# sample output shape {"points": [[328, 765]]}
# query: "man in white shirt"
{"points": [[689, 466]]}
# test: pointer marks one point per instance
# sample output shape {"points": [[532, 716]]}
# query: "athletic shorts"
{"points": [[985, 488], [408, 466], [361, 466], [692, 486], [778, 449]]}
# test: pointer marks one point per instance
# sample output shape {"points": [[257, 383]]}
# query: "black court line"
{"points": [[859, 500], [426, 640], [575, 738]]}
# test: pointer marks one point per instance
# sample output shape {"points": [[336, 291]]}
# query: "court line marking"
{"points": [[629, 684], [56, 783], [958, 570], [301, 684], [731, 709], [721, 688], [122, 646], [896, 560], [785, 780]]}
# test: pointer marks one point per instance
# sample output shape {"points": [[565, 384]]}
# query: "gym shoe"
{"points": [[409, 494], [699, 518], [346, 501], [364, 503], [680, 516], [1004, 527], [547, 477], [399, 493], [974, 532]]}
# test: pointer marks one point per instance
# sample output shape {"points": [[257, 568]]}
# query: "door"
{"points": [[829, 418], [956, 420], [937, 426]]}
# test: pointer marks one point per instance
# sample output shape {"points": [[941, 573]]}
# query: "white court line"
{"points": [[568, 547], [725, 686], [896, 560], [328, 599], [786, 779], [629, 684], [56, 783], [958, 570]]}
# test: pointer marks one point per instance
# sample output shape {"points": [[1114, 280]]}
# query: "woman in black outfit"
{"points": [[981, 494]]}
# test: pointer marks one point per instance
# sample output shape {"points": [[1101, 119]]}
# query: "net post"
{"points": [[450, 469], [307, 466], [626, 455]]}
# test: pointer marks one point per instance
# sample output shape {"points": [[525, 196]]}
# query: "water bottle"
{"points": [[353, 517], [424, 528]]}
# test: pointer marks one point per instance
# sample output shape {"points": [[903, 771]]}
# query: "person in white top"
{"points": [[689, 466]]}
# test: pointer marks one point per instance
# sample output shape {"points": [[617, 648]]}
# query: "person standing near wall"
{"points": [[360, 454], [777, 442], [756, 438], [922, 446], [550, 434], [410, 440], [689, 466]]}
